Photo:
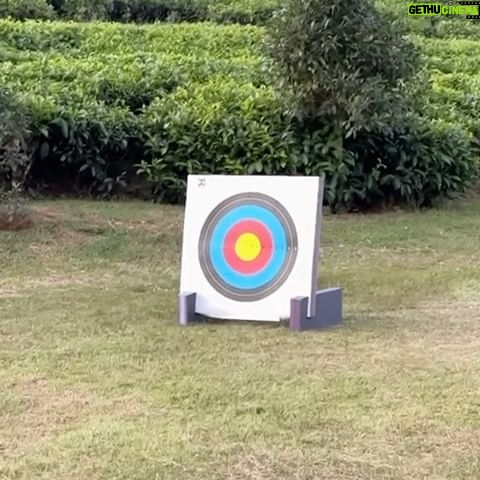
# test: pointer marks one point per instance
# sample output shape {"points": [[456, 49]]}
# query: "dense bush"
{"points": [[414, 166], [106, 98], [144, 11], [216, 127], [15, 162], [342, 60], [24, 9], [223, 11], [87, 100], [84, 9], [455, 79], [15, 159], [410, 166], [247, 133]]}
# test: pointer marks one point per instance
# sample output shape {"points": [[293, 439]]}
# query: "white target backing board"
{"points": [[251, 244]]}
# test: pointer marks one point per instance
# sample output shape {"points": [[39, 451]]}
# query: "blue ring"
{"points": [[271, 270]]}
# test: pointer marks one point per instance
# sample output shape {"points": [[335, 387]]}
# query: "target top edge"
{"points": [[244, 183], [194, 176]]}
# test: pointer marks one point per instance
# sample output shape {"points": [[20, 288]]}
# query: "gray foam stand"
{"points": [[328, 310]]}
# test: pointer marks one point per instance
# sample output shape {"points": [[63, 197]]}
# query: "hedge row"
{"points": [[222, 11], [107, 100], [143, 11], [455, 76]]}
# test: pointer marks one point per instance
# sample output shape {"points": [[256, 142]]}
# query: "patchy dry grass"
{"points": [[97, 381], [14, 217]]}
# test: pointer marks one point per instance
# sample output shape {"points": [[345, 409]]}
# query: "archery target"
{"points": [[248, 247], [251, 244]]}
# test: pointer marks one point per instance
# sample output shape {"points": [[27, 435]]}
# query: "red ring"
{"points": [[266, 240]]}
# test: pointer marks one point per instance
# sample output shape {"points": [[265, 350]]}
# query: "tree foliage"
{"points": [[25, 9], [97, 100], [14, 131], [344, 60]]}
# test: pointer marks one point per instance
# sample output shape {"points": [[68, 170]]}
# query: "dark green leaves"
{"points": [[110, 106], [15, 160], [343, 60]]}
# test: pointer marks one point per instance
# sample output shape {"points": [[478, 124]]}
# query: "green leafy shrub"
{"points": [[413, 166], [147, 11], [83, 9], [243, 12], [454, 96], [216, 127], [41, 37], [24, 9], [257, 12], [103, 98], [15, 161], [342, 60], [87, 102]]}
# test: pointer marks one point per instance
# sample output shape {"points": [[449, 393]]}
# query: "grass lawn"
{"points": [[97, 381]]}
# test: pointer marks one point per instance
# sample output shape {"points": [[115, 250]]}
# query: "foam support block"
{"points": [[328, 310]]}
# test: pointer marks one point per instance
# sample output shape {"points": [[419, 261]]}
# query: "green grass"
{"points": [[98, 381]]}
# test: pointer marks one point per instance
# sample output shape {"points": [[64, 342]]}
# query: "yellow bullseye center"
{"points": [[248, 247]]}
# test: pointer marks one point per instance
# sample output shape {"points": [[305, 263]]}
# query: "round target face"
{"points": [[248, 247]]}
